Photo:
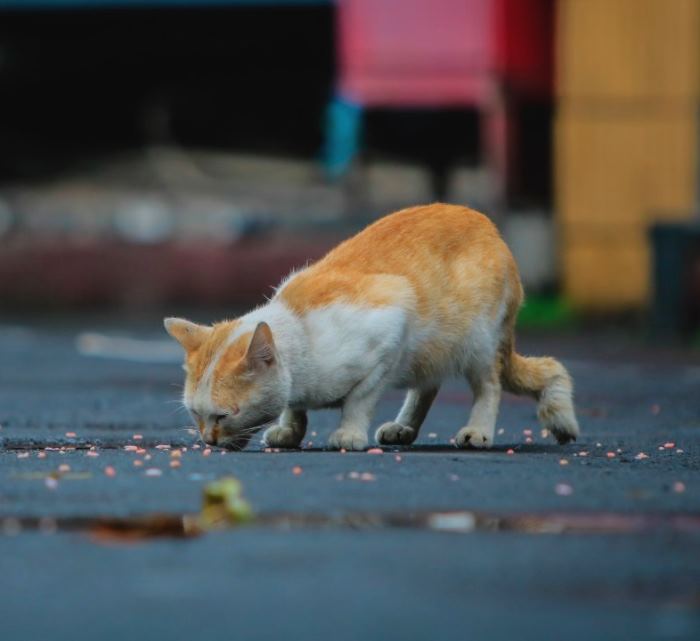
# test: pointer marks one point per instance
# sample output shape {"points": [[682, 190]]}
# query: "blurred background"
{"points": [[174, 154]]}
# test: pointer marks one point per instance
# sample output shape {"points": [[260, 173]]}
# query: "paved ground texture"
{"points": [[585, 541]]}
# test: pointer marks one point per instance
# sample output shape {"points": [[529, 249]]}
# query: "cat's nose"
{"points": [[211, 437]]}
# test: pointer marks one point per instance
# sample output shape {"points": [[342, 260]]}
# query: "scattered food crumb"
{"points": [[599, 445], [51, 482], [641, 456], [453, 441], [528, 439], [296, 470], [343, 450], [432, 435], [92, 453], [500, 431], [140, 450], [563, 461], [138, 462], [367, 476], [679, 451], [375, 450], [137, 437], [130, 448], [153, 471], [679, 487], [71, 434], [655, 409], [397, 458], [563, 489], [206, 452], [454, 477], [196, 446], [110, 471], [354, 475], [544, 433], [63, 468], [611, 455], [175, 463], [163, 446], [23, 455], [510, 451], [584, 453], [176, 454], [147, 457], [41, 455], [527, 432], [669, 445]]}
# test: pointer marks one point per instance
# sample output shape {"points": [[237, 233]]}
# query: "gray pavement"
{"points": [[335, 581]]}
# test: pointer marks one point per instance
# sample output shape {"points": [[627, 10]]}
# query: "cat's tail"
{"points": [[547, 380]]}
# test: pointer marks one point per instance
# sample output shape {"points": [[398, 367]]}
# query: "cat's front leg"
{"points": [[356, 415], [289, 430]]}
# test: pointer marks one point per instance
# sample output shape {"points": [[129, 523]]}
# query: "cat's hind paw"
{"points": [[282, 436], [395, 434], [473, 437], [347, 440]]}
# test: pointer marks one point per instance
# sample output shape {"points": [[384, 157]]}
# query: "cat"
{"points": [[423, 294]]}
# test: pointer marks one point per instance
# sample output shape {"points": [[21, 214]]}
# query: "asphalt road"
{"points": [[345, 570]]}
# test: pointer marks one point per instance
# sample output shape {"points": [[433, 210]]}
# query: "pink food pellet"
{"points": [[453, 441], [137, 437], [41, 455], [510, 451], [679, 487], [23, 455], [528, 439], [175, 463], [140, 450], [641, 456], [669, 445], [527, 432], [343, 450], [176, 454], [397, 458], [153, 471], [92, 453], [563, 461], [196, 446], [354, 475], [130, 448], [611, 455], [375, 450], [206, 452], [110, 471], [71, 434], [138, 463], [367, 476], [162, 446], [583, 453], [563, 489], [63, 468], [296, 470]]}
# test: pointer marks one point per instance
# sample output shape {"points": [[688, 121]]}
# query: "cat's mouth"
{"points": [[238, 440]]}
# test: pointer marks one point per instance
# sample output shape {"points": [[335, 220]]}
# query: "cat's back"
{"points": [[415, 252]]}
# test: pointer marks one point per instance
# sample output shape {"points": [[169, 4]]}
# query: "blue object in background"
{"points": [[343, 129]]}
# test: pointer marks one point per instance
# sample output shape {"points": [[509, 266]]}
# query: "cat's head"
{"points": [[232, 386]]}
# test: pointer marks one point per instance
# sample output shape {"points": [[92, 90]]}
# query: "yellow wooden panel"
{"points": [[625, 169], [607, 276], [628, 49]]}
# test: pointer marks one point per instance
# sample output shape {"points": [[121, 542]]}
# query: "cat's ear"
{"points": [[188, 334], [261, 350]]}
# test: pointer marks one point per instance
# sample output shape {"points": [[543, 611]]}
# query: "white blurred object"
{"points": [[144, 221], [130, 349], [530, 236]]}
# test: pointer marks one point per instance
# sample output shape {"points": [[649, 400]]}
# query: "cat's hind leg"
{"points": [[404, 430], [486, 386], [288, 432]]}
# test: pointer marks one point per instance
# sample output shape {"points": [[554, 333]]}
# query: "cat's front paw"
{"points": [[473, 437], [395, 434], [282, 436], [347, 440]]}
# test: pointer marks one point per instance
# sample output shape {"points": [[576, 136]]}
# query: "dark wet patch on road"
{"points": [[138, 528]]}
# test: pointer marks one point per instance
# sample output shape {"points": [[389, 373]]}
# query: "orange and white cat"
{"points": [[421, 295]]}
